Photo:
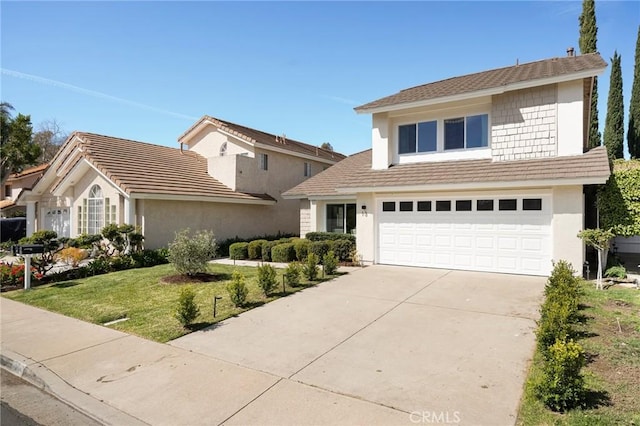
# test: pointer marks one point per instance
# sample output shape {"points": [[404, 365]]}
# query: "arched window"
{"points": [[95, 210], [223, 149]]}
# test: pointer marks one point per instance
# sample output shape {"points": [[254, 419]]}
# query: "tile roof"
{"points": [[500, 77], [6, 204], [140, 167], [253, 136], [29, 171], [355, 172]]}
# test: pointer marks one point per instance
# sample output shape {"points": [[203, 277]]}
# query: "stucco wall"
{"points": [[163, 218], [567, 221], [523, 124], [208, 141]]}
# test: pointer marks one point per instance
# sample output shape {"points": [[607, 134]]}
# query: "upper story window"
{"points": [[223, 149], [466, 132], [264, 161], [418, 137], [307, 169]]}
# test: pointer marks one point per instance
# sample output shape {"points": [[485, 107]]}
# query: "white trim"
{"points": [[485, 92], [64, 184], [476, 185], [351, 196], [180, 197]]}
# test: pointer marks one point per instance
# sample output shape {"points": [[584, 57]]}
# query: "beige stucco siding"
{"points": [[567, 221], [208, 142]]}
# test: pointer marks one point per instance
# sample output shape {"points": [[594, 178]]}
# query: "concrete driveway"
{"points": [[435, 346]]}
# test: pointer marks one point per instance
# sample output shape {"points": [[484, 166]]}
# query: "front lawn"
{"points": [[610, 335], [147, 302]]}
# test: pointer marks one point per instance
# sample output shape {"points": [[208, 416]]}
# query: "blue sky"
{"points": [[148, 70]]}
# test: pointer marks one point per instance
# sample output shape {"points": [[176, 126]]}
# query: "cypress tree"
{"points": [[614, 123], [633, 135], [588, 41]]}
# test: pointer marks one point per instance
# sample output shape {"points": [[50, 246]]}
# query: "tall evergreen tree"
{"points": [[614, 123], [633, 134], [588, 41]]}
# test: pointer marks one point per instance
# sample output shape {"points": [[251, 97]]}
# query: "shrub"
{"points": [[554, 324], [266, 278], [562, 385], [237, 289], [302, 248], [147, 258], [49, 239], [121, 239], [190, 254], [238, 251], [99, 266], [71, 256], [254, 249], [319, 248], [85, 241], [343, 248], [310, 269], [292, 274], [617, 271], [330, 263], [283, 253], [329, 236], [267, 246], [187, 310], [563, 288], [120, 263]]}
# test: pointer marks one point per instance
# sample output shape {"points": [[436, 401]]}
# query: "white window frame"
{"points": [[95, 210], [464, 125]]}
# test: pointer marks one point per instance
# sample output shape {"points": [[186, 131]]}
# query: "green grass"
{"points": [[139, 294], [612, 373]]}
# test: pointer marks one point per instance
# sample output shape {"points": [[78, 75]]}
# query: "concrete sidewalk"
{"points": [[119, 379]]}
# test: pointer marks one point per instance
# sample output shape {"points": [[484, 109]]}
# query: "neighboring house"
{"points": [[224, 177], [12, 187], [481, 172]]}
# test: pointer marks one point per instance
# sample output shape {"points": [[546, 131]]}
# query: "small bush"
{"points": [[343, 248], [120, 263], [330, 263], [239, 251], [302, 248], [319, 248], [266, 278], [187, 310], [283, 253], [147, 258], [329, 236], [267, 246], [237, 289], [292, 274], [190, 254], [254, 249], [554, 325], [310, 269], [562, 385], [99, 266], [71, 256], [617, 271]]}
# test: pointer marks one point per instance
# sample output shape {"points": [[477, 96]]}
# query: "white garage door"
{"points": [[58, 219], [495, 234]]}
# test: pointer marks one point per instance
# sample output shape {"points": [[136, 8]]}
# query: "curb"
{"points": [[41, 377]]}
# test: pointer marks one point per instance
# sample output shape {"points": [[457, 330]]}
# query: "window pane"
{"points": [[463, 205], [389, 206], [424, 206], [532, 204], [407, 139], [427, 136], [335, 218], [443, 206], [351, 218], [406, 206], [507, 204], [484, 205], [454, 133], [477, 131]]}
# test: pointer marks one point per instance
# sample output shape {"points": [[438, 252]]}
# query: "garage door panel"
{"points": [[442, 242], [485, 242], [463, 241], [507, 243]]}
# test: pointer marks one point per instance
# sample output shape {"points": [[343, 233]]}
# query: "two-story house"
{"points": [[481, 172], [224, 177]]}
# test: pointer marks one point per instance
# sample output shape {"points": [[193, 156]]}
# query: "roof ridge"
{"points": [[90, 134]]}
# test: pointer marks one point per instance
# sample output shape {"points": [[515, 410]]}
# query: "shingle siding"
{"points": [[523, 124], [305, 217]]}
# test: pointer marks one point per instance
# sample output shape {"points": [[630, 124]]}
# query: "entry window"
{"points": [[406, 206], [424, 206], [532, 204], [389, 206], [509, 204], [341, 218], [484, 205], [463, 205], [443, 206]]}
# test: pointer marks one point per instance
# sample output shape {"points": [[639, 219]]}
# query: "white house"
{"points": [[481, 172], [224, 177]]}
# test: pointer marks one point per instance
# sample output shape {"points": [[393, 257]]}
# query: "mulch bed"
{"points": [[198, 278]]}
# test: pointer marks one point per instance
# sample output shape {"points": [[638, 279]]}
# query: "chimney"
{"points": [[570, 52]]}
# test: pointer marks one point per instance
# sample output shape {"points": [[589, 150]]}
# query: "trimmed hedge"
{"points": [[223, 246], [267, 246], [343, 248], [239, 251], [254, 249], [302, 248], [284, 253], [329, 236], [320, 248]]}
